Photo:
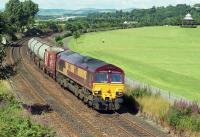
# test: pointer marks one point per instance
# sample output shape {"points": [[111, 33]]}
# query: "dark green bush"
{"points": [[58, 38], [67, 34], [60, 43]]}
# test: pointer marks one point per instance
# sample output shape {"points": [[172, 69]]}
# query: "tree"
{"points": [[73, 27], [21, 14], [53, 26], [30, 9], [2, 23], [76, 35], [13, 10]]}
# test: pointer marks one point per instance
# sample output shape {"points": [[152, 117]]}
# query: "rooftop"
{"points": [[188, 17]]}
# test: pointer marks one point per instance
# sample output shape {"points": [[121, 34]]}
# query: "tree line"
{"points": [[170, 15]]}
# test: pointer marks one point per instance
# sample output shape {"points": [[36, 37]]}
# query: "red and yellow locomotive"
{"points": [[97, 83]]}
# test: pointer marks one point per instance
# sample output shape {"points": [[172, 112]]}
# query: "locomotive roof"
{"points": [[83, 61]]}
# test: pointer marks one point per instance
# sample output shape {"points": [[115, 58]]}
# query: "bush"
{"points": [[12, 124], [60, 43], [138, 92], [150, 104], [67, 35], [58, 38], [183, 120], [187, 106]]}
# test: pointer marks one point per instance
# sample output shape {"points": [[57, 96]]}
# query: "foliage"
{"points": [[151, 104], [2, 23], [186, 106], [170, 15], [12, 124], [21, 14], [2, 54], [181, 116], [183, 119], [49, 27], [60, 43], [71, 27], [155, 16], [76, 35], [58, 38], [138, 92]]}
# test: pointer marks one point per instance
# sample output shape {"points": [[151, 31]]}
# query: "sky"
{"points": [[104, 4]]}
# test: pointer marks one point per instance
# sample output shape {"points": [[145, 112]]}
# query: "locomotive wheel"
{"points": [[90, 103], [85, 99], [76, 92], [81, 96]]}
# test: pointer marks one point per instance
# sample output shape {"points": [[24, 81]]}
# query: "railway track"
{"points": [[81, 121], [28, 93]]}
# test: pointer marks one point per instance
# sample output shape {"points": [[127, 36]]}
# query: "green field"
{"points": [[165, 57]]}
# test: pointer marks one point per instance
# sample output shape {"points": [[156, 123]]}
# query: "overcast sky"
{"points": [[118, 4]]}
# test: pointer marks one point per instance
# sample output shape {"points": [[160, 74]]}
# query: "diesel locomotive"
{"points": [[97, 83]]}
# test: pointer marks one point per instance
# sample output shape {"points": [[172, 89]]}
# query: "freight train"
{"points": [[95, 82]]}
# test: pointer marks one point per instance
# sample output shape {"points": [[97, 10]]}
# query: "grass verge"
{"points": [[13, 123], [181, 117]]}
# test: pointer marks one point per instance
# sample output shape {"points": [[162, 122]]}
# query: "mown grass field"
{"points": [[165, 57]]}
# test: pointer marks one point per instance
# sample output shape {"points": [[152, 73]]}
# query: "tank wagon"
{"points": [[97, 83]]}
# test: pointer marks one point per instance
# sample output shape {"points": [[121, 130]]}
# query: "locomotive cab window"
{"points": [[102, 77], [116, 78]]}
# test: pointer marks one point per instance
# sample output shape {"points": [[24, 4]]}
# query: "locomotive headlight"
{"points": [[97, 92], [119, 94]]}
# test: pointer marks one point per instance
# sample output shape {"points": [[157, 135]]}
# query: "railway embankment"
{"points": [[13, 120], [180, 118]]}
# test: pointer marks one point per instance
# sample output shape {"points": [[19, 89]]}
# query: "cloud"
{"points": [[119, 4]]}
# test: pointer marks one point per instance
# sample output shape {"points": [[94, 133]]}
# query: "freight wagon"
{"points": [[97, 83]]}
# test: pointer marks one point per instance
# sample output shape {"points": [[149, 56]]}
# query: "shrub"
{"points": [[187, 106], [12, 124], [58, 38], [183, 120], [67, 35], [60, 43], [150, 104], [140, 92]]}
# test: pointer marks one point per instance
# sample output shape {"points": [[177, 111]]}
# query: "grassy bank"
{"points": [[181, 118], [12, 121], [165, 57]]}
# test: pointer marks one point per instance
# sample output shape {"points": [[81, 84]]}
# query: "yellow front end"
{"points": [[108, 91]]}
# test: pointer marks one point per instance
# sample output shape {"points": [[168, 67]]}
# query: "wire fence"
{"points": [[169, 95]]}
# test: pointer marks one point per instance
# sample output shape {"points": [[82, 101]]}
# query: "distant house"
{"points": [[188, 21], [130, 22]]}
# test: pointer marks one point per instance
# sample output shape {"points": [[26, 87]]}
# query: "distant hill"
{"points": [[86, 11]]}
